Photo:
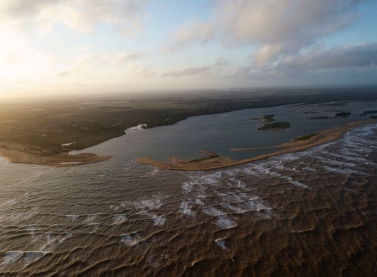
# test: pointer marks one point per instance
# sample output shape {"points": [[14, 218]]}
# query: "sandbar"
{"points": [[216, 161], [58, 160]]}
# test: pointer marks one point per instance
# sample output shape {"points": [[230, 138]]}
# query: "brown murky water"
{"points": [[312, 213]]}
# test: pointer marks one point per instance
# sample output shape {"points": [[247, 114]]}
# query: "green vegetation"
{"points": [[343, 114], [369, 112], [306, 137], [268, 118], [274, 126], [205, 158]]}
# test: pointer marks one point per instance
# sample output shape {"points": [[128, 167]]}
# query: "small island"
{"points": [[369, 112], [268, 118], [343, 114], [277, 126]]}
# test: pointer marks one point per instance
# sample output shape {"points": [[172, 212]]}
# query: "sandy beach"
{"points": [[217, 162]]}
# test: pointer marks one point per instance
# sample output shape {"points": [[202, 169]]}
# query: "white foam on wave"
{"points": [[119, 219], [221, 243], [95, 226], [151, 204], [91, 217], [32, 256], [200, 194], [299, 184], [159, 221], [233, 208], [186, 208], [231, 198], [187, 186], [287, 178], [72, 217], [256, 204], [50, 241], [199, 202], [225, 222], [10, 258], [147, 204], [212, 211], [130, 239], [343, 170]]}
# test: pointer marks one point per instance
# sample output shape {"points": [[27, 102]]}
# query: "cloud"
{"points": [[193, 30], [277, 27], [124, 57], [86, 62], [360, 55], [221, 61], [187, 71], [353, 61], [77, 15], [141, 71]]}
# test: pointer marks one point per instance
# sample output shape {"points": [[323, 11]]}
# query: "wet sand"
{"points": [[217, 161]]}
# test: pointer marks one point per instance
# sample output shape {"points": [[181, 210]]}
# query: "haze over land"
{"points": [[122, 46]]}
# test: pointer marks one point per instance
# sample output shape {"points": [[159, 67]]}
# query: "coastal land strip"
{"points": [[58, 160], [45, 131], [214, 161]]}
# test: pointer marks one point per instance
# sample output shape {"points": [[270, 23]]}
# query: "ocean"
{"points": [[310, 213]]}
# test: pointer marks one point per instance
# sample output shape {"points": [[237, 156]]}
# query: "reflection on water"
{"points": [[299, 214]]}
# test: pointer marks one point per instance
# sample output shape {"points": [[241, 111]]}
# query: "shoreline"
{"points": [[57, 160], [211, 161], [218, 162]]}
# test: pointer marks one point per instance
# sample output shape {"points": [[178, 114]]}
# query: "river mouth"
{"points": [[306, 212]]}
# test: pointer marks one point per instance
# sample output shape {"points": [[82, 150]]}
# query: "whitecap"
{"points": [[185, 208], [224, 222], [159, 221], [32, 256], [187, 187], [10, 258], [150, 204], [72, 217], [221, 244], [233, 208], [299, 184], [212, 211], [91, 217], [256, 204], [130, 239], [231, 198], [119, 219]]}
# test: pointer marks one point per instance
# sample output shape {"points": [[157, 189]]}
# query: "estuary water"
{"points": [[311, 213]]}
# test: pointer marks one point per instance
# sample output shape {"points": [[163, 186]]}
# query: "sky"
{"points": [[52, 47]]}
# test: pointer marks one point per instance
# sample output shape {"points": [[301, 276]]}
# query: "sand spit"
{"points": [[58, 160], [214, 161]]}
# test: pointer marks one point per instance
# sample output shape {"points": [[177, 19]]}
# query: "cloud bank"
{"points": [[76, 15], [277, 27], [360, 55], [186, 71]]}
